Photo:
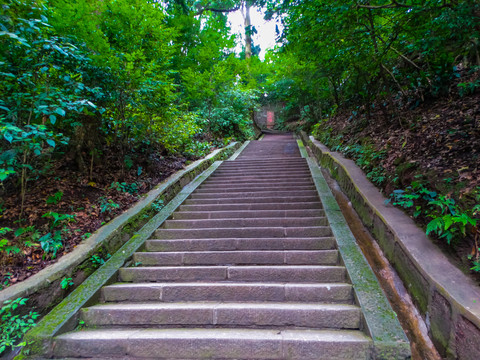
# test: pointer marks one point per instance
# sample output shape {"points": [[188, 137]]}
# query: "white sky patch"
{"points": [[265, 36]]}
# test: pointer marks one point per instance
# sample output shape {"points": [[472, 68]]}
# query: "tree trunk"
{"points": [[248, 31]]}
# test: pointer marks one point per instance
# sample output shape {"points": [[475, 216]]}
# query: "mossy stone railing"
{"points": [[448, 300]]}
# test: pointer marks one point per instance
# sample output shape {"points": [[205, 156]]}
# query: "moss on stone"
{"points": [[380, 319]]}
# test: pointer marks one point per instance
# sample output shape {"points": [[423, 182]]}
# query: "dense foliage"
{"points": [[80, 76], [356, 72], [359, 52], [115, 84]]}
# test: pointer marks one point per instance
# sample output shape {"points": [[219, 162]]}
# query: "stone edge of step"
{"points": [[271, 344], [224, 315], [63, 317], [230, 291]]}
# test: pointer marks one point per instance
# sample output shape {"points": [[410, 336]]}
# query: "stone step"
{"points": [[261, 163], [229, 292], [241, 161], [259, 182], [258, 152], [254, 200], [277, 155], [254, 178], [250, 165], [252, 344], [282, 273], [245, 223], [282, 160], [252, 207], [263, 168], [265, 257], [260, 232], [199, 314], [236, 173], [260, 175], [253, 188], [245, 214], [225, 244], [232, 184], [249, 194]]}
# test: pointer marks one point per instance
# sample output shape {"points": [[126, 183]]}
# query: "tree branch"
{"points": [[406, 58], [389, 46], [393, 4], [396, 4], [394, 79], [202, 10]]}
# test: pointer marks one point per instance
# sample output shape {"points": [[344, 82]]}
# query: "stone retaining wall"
{"points": [[447, 298], [44, 288]]}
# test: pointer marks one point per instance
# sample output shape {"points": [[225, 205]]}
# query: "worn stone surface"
{"points": [[467, 340], [293, 243], [182, 215], [440, 329], [229, 292], [257, 206], [243, 223], [284, 315], [254, 199], [292, 257], [217, 343], [250, 232], [323, 345], [294, 273]]}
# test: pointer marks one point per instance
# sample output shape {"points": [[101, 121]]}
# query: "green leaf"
{"points": [[19, 231], [4, 174], [8, 137], [60, 111], [51, 142], [435, 226], [53, 119], [448, 221]]}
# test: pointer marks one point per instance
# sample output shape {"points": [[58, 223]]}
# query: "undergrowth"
{"points": [[365, 155], [13, 326], [454, 221]]}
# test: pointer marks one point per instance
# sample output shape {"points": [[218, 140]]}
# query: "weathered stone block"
{"points": [[414, 281], [440, 322], [384, 237], [467, 340]]}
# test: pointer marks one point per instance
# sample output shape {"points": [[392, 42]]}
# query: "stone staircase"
{"points": [[247, 268]]}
